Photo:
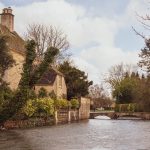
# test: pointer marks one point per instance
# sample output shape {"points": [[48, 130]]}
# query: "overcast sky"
{"points": [[99, 31]]}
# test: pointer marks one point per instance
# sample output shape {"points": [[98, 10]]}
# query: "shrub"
{"points": [[6, 94], [41, 105], [42, 93], [32, 94], [45, 105], [61, 103], [30, 108], [132, 107], [74, 103]]}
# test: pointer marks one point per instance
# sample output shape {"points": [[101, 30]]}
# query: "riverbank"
{"points": [[60, 116]]}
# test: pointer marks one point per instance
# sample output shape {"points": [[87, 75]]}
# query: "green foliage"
{"points": [[145, 59], [42, 93], [44, 65], [6, 61], [45, 105], [6, 94], [133, 89], [22, 94], [30, 108], [29, 77], [131, 107], [61, 103], [74, 103], [32, 94], [116, 108], [143, 94], [76, 80], [27, 67], [124, 91]]}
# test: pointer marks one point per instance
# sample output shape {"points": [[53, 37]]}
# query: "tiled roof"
{"points": [[14, 41], [49, 77]]}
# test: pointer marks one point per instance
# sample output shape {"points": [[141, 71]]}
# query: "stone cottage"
{"points": [[52, 80]]}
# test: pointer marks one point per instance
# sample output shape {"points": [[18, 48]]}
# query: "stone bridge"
{"points": [[116, 115]]}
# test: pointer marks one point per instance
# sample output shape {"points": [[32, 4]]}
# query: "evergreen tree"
{"points": [[6, 61], [76, 81], [49, 57], [145, 59], [22, 94]]}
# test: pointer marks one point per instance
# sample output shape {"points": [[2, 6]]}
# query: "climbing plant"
{"points": [[29, 77]]}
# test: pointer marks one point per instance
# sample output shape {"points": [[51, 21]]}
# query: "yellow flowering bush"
{"points": [[29, 109], [74, 103], [61, 103], [46, 105]]}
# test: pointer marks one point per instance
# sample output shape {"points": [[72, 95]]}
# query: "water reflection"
{"points": [[93, 135], [11, 140], [102, 118]]}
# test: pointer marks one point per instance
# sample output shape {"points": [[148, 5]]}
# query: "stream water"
{"points": [[89, 135]]}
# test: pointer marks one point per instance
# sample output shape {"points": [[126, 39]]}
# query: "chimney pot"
{"points": [[7, 18]]}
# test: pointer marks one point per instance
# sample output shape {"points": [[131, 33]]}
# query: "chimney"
{"points": [[7, 18]]}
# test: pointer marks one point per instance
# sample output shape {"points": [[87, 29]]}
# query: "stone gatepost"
{"points": [[55, 117], [84, 110], [69, 115]]}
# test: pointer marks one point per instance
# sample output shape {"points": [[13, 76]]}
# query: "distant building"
{"points": [[51, 80]]}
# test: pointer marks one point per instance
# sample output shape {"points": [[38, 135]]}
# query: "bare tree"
{"points": [[99, 97], [48, 37], [96, 91], [118, 72], [145, 22], [144, 63]]}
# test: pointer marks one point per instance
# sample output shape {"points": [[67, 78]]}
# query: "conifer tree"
{"points": [[76, 80], [145, 59]]}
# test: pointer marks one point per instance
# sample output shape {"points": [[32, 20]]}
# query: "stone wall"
{"points": [[62, 116], [82, 113], [65, 116], [32, 122], [61, 89], [13, 74], [84, 110]]}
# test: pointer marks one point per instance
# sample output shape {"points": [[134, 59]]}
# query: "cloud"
{"points": [[19, 2], [92, 38], [103, 57], [92, 71]]}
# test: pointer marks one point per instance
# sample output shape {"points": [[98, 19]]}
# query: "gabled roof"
{"points": [[14, 41], [49, 77]]}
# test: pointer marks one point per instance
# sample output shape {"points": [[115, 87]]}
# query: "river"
{"points": [[88, 135]]}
